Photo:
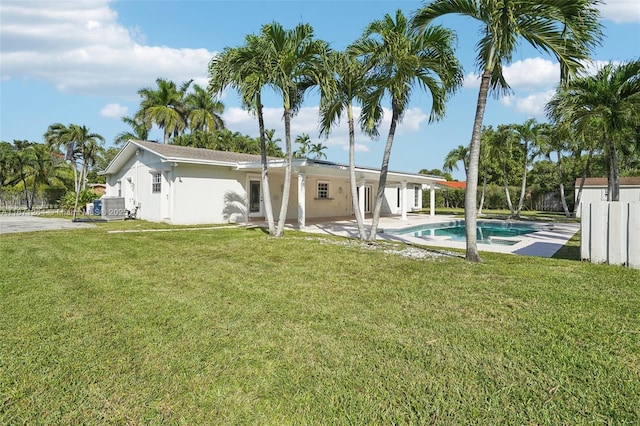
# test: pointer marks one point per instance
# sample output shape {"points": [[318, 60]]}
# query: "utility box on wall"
{"points": [[113, 208]]}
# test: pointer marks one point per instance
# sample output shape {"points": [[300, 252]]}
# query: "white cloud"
{"points": [[531, 105], [531, 73], [471, 81], [620, 11], [306, 121], [114, 111], [82, 48]]}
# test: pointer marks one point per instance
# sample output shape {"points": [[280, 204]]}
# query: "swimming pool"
{"points": [[487, 232]]}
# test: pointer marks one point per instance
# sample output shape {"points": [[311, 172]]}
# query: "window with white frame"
{"points": [[416, 196], [156, 182], [323, 190]]}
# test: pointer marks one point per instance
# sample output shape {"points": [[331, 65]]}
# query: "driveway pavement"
{"points": [[27, 223]]}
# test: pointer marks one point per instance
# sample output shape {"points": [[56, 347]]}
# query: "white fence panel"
{"points": [[610, 233]]}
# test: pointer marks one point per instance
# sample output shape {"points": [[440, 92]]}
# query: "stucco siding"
{"points": [[204, 194], [628, 194]]}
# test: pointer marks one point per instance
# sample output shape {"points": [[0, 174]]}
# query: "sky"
{"points": [[83, 62]]}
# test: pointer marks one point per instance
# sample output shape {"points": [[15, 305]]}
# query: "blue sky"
{"points": [[82, 62]]}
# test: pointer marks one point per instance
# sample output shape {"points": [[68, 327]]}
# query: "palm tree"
{"points": [[612, 96], [139, 131], [305, 145], [461, 153], [204, 112], [556, 139], [345, 82], [317, 150], [293, 68], [568, 29], [21, 162], [245, 69], [400, 60], [530, 134], [164, 107], [501, 144], [82, 145]]}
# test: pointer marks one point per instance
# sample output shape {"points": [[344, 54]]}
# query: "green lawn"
{"points": [[229, 326]]}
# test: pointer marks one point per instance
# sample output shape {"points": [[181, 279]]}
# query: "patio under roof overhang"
{"points": [[304, 168]]}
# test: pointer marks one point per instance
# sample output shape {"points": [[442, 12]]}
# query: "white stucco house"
{"points": [[184, 185], [595, 190]]}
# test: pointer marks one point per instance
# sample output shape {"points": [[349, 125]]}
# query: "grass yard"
{"points": [[229, 326]]}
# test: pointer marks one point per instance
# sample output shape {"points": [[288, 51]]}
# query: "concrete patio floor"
{"points": [[543, 243]]}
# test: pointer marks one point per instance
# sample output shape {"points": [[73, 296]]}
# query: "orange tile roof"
{"points": [[453, 184]]}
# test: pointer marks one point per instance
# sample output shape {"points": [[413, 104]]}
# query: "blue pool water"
{"points": [[487, 232]]}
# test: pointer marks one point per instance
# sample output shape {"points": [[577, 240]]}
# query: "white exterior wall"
{"points": [[593, 194], [610, 233], [205, 194], [134, 182], [338, 203]]}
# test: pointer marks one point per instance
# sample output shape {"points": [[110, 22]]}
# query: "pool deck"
{"points": [[543, 243]]}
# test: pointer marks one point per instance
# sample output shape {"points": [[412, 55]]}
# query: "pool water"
{"points": [[487, 232]]}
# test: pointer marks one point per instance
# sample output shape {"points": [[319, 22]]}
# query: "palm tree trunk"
{"points": [[506, 192], [523, 188], [382, 182], [352, 176], [287, 173], [582, 179], [614, 183], [484, 190], [266, 190], [26, 190], [471, 193], [563, 198]]}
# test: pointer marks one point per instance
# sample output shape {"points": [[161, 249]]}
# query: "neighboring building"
{"points": [[595, 189], [184, 185], [98, 188]]}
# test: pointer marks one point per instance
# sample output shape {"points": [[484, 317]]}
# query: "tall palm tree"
{"points": [[164, 107], [294, 57], [556, 139], [530, 134], [401, 59], [612, 96], [203, 111], [501, 144], [568, 29], [245, 69], [461, 153], [82, 145], [139, 131], [345, 82]]}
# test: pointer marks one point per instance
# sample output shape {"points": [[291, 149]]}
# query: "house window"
{"points": [[156, 182], [399, 192], [323, 190], [416, 196], [119, 185]]}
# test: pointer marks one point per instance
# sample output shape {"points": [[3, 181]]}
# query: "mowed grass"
{"points": [[229, 326]]}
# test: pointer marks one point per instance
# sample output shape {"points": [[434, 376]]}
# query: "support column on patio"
{"points": [[403, 200], [361, 196], [432, 200], [301, 200]]}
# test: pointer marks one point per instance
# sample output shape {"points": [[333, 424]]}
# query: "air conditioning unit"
{"points": [[113, 208]]}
